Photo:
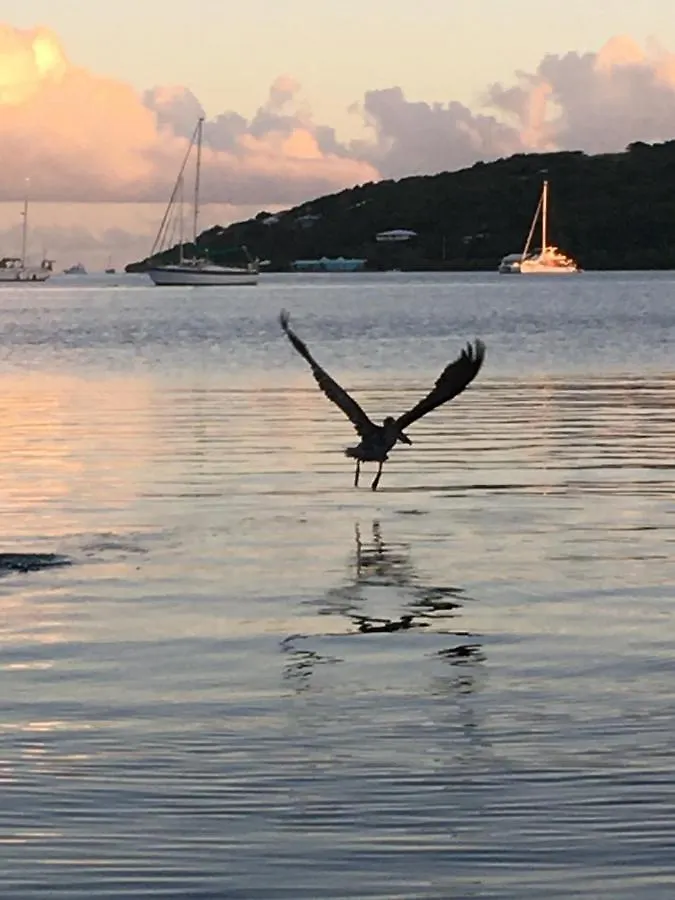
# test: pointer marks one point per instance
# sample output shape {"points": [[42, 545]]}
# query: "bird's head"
{"points": [[390, 426]]}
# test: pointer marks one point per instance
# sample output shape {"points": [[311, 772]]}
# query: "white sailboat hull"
{"points": [[548, 270], [207, 276], [532, 267]]}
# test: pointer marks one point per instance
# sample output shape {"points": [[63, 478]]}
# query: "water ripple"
{"points": [[253, 681]]}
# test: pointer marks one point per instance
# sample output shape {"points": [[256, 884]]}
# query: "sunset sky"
{"points": [[302, 98]]}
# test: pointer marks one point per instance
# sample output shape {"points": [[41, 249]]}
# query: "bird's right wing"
{"points": [[454, 378], [331, 388]]}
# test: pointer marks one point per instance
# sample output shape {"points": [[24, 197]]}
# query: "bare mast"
{"points": [[24, 230], [181, 237], [526, 249], [198, 176], [544, 212]]}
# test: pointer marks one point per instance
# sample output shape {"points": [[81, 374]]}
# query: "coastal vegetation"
{"points": [[608, 211]]}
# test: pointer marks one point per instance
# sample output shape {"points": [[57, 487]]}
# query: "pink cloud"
{"points": [[84, 138]]}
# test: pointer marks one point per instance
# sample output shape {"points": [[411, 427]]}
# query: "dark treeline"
{"points": [[610, 211]]}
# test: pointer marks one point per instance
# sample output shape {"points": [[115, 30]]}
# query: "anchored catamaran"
{"points": [[548, 260]]}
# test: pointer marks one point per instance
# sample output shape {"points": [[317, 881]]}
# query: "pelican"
{"points": [[378, 440]]}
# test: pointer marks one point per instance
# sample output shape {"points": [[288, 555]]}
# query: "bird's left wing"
{"points": [[453, 379], [331, 388]]}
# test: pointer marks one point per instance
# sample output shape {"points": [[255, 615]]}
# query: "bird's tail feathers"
{"points": [[352, 452]]}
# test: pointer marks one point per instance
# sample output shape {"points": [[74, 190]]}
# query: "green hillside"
{"points": [[610, 211]]}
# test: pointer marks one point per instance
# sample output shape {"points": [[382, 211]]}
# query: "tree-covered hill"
{"points": [[610, 211]]}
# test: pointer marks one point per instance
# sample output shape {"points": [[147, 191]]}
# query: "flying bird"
{"points": [[378, 440]]}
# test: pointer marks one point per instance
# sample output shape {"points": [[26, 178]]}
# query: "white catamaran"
{"points": [[548, 260], [197, 270], [16, 268]]}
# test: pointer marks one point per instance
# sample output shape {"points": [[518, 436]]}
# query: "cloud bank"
{"points": [[597, 102], [85, 138]]}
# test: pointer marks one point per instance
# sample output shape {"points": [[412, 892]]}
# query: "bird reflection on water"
{"points": [[382, 574], [301, 662], [368, 625], [384, 571], [385, 564]]}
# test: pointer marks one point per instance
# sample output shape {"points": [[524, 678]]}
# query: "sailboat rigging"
{"points": [[197, 269]]}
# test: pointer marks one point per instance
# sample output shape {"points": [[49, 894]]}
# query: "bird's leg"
{"points": [[375, 483], [357, 472]]}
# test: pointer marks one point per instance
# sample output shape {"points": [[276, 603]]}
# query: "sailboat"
{"points": [[548, 260], [197, 270], [16, 268], [76, 269]]}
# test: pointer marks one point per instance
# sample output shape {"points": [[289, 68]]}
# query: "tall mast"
{"points": [[544, 211], [164, 224], [198, 175], [24, 230], [532, 227], [181, 236]]}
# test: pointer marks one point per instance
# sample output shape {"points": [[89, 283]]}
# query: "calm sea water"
{"points": [[189, 710]]}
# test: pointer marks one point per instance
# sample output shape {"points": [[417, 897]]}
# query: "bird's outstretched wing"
{"points": [[453, 379], [331, 388]]}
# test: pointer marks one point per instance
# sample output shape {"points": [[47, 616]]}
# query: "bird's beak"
{"points": [[404, 439]]}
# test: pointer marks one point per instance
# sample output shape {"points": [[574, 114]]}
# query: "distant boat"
{"points": [[548, 260], [198, 270], [77, 269], [110, 269], [12, 269], [16, 268]]}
